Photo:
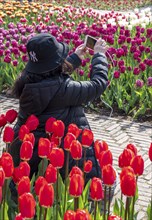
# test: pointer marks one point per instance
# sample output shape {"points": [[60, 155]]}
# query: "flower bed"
{"points": [[71, 195], [129, 38]]}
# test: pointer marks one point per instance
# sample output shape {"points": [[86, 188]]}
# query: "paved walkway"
{"points": [[117, 133]]}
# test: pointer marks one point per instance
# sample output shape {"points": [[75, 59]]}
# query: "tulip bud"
{"points": [[51, 174], [150, 152], [8, 136], [69, 215], [76, 150], [27, 205], [67, 141], [26, 151], [46, 201], [19, 217], [44, 147], [32, 122], [128, 180], [23, 185], [3, 120], [11, 115], [105, 158], [58, 128], [29, 137], [48, 125], [108, 175], [137, 163], [96, 189], [88, 166], [23, 131], [6, 162], [57, 157], [100, 146], [87, 138], [75, 170], [76, 185], [39, 183], [82, 214], [73, 128]]}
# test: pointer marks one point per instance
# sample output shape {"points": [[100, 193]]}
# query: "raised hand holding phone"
{"points": [[100, 46]]}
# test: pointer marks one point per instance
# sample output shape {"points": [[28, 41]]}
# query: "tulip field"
{"points": [[46, 195], [129, 36]]}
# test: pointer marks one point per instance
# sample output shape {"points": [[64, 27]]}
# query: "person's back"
{"points": [[46, 89]]}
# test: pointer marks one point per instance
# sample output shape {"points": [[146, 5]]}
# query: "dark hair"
{"points": [[26, 77]]}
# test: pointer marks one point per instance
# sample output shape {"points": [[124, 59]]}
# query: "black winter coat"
{"points": [[62, 98]]}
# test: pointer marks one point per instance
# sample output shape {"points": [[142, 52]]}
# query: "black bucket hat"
{"points": [[45, 53]]}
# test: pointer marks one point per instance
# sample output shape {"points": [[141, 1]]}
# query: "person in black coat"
{"points": [[46, 89]]}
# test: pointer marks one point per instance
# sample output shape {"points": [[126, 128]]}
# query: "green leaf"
{"points": [[116, 210]]}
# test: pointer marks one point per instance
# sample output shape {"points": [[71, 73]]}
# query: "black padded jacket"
{"points": [[62, 98]]}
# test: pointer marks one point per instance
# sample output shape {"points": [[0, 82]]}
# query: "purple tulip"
{"points": [[142, 66], [24, 58], [116, 74], [136, 71], [122, 69], [121, 63], [139, 83], [15, 62], [7, 59], [147, 49], [149, 81], [1, 53], [81, 72]]}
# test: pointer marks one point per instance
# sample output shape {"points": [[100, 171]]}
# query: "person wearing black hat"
{"points": [[46, 89]]}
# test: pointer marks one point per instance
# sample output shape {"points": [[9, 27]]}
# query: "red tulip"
{"points": [[24, 169], [73, 128], [126, 171], [58, 128], [46, 201], [128, 180], [88, 166], [2, 176], [8, 136], [55, 140], [96, 189], [26, 150], [114, 217], [32, 122], [150, 152], [69, 215], [105, 158], [82, 214], [27, 205], [51, 174], [67, 141], [76, 150], [100, 146], [137, 163], [23, 131], [40, 181], [3, 120], [108, 175], [19, 217], [133, 148], [76, 185], [23, 185], [44, 147], [57, 157], [125, 158], [75, 170], [29, 137], [87, 138], [6, 162], [11, 115], [48, 125]]}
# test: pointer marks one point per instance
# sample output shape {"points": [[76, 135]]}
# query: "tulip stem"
{"points": [[4, 197], [42, 167], [109, 200], [45, 213], [66, 175], [95, 209], [76, 203], [40, 212], [121, 198], [105, 202], [127, 209], [133, 202], [57, 182]]}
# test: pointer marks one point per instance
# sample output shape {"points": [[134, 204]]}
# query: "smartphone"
{"points": [[90, 42]]}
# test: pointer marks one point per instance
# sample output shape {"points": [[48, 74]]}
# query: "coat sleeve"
{"points": [[82, 92]]}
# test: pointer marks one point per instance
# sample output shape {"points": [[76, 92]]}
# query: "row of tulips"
{"points": [[46, 195], [129, 38]]}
